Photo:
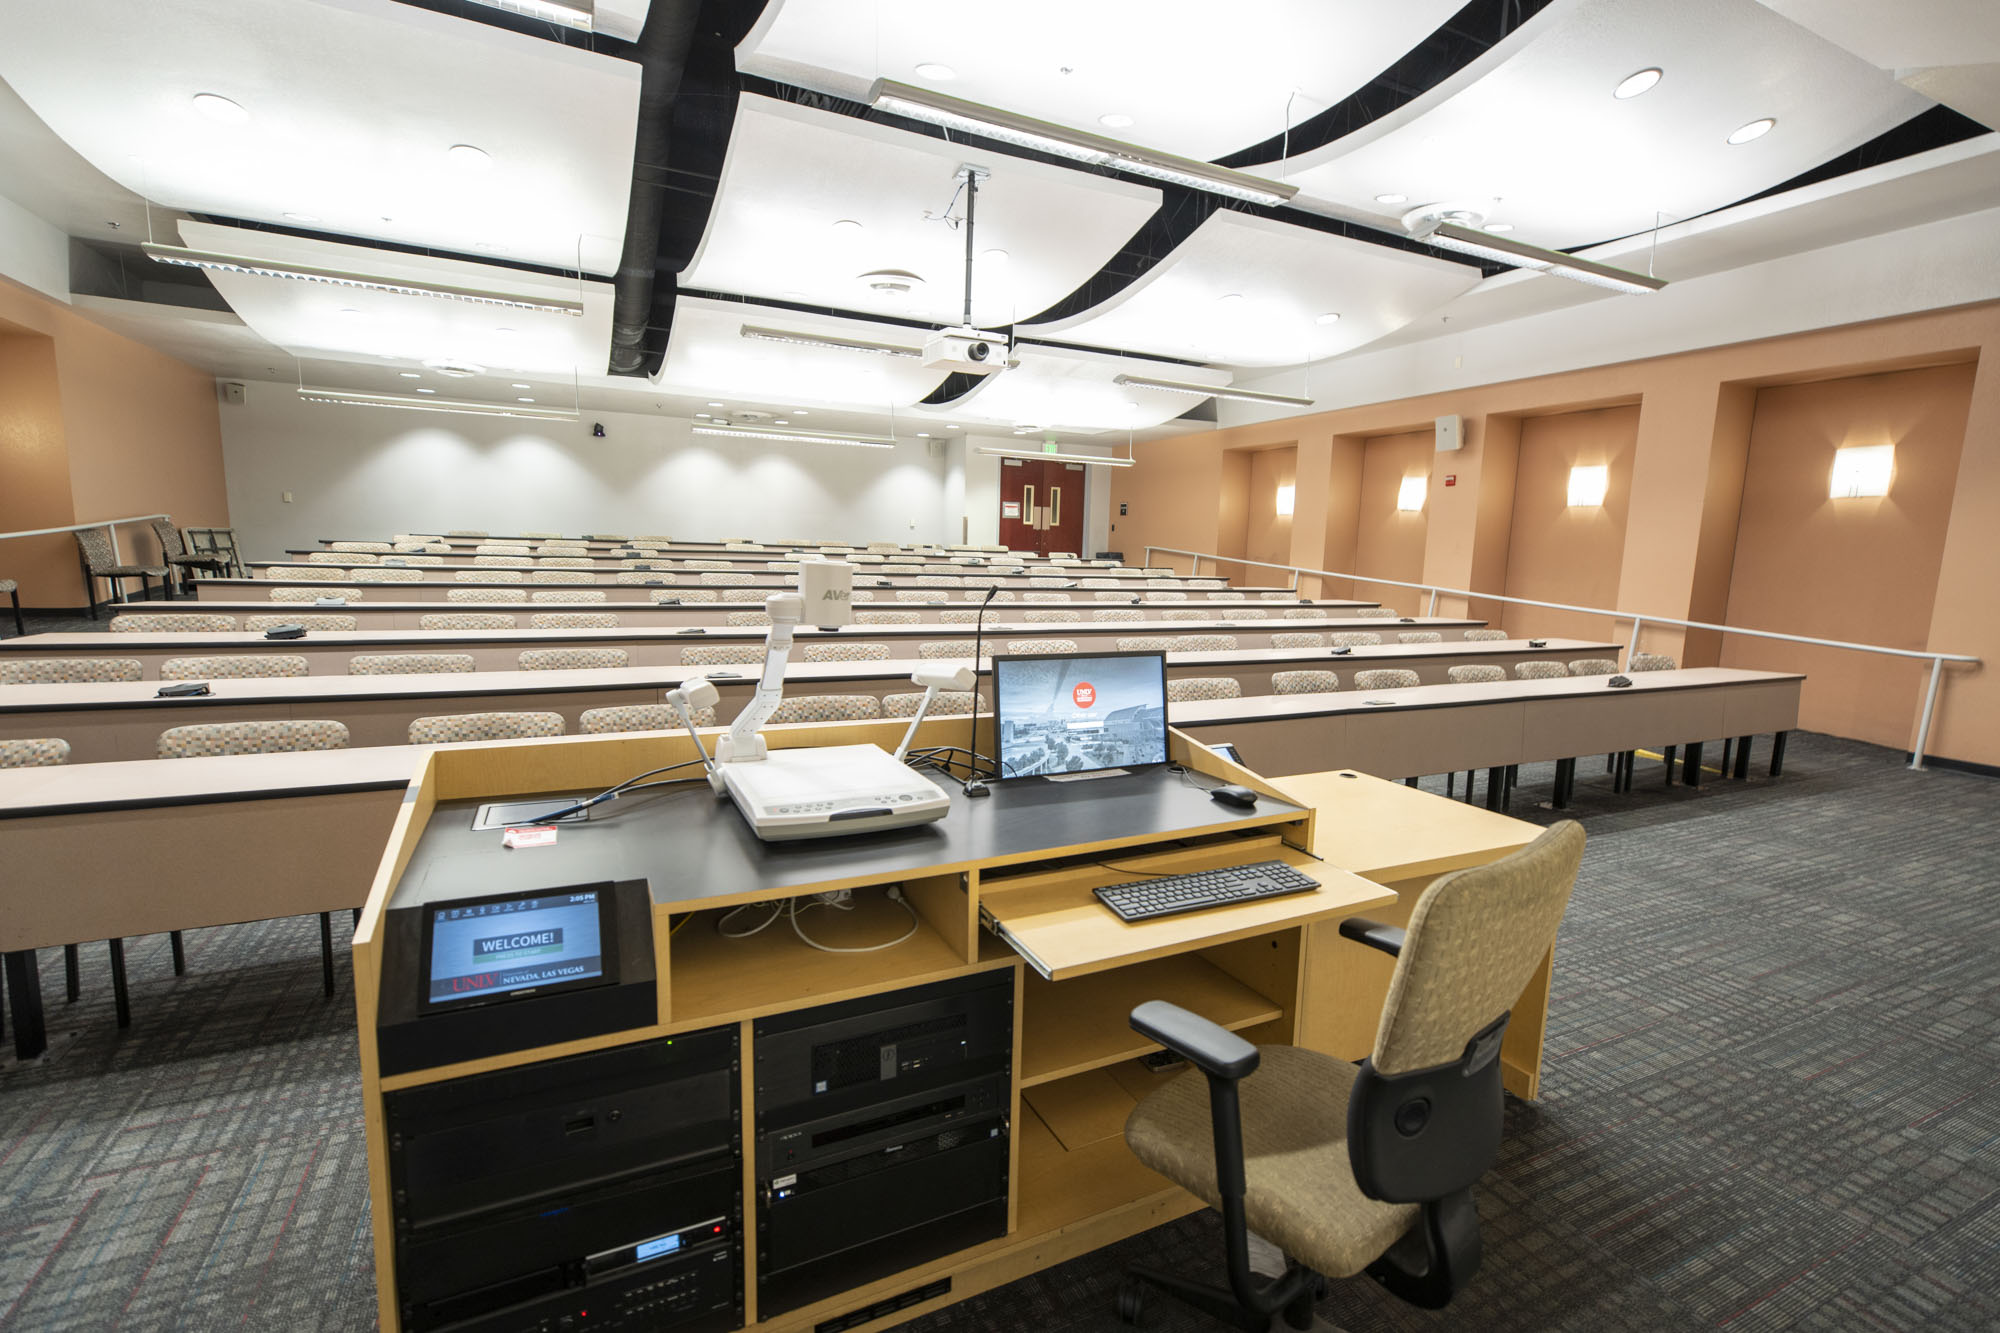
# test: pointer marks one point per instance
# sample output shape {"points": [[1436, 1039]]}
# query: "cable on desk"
{"points": [[791, 909], [613, 792]]}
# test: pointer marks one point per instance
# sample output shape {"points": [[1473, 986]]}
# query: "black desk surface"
{"points": [[691, 845]]}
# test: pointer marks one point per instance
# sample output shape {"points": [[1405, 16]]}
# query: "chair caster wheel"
{"points": [[1131, 1301]]}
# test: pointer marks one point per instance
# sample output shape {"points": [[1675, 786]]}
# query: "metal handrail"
{"points": [[1924, 716], [110, 526]]}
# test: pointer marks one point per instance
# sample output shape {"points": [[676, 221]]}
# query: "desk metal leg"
{"points": [[1728, 749], [72, 977], [1778, 753], [180, 953], [1668, 753], [121, 995], [1495, 777], [1565, 779], [1691, 765], [24, 992], [326, 950], [1742, 758]]}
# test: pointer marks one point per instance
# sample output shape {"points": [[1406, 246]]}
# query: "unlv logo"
{"points": [[1085, 694]]}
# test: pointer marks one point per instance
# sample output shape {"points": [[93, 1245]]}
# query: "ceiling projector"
{"points": [[966, 349]]}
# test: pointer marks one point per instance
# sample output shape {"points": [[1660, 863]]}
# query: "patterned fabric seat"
{"points": [[258, 624], [1184, 615], [41, 753], [1377, 613], [484, 727], [681, 596], [747, 619], [574, 620], [572, 596], [955, 617], [638, 717], [639, 577], [1540, 671], [314, 594], [1304, 613], [1208, 583], [1298, 640], [945, 649], [359, 546], [468, 620], [929, 598], [936, 581], [499, 548], [1278, 596], [384, 574], [565, 562], [174, 623], [949, 703], [175, 554], [722, 654], [466, 532], [646, 562], [1047, 598], [1354, 639], [889, 617], [409, 664], [574, 659], [1651, 662], [1476, 675], [337, 558], [306, 574], [709, 564], [1593, 666], [1116, 617], [744, 595], [559, 576], [1205, 643], [1051, 617], [412, 559], [214, 738], [828, 708], [69, 670], [846, 652], [488, 576], [1387, 679], [1145, 643], [1421, 636], [1485, 635], [1246, 614], [1203, 687], [1304, 682], [1166, 597], [488, 596], [1097, 583], [1113, 596], [1048, 583], [542, 536], [233, 667], [503, 561], [1039, 647]]}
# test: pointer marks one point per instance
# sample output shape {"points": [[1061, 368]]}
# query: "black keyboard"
{"points": [[1204, 889]]}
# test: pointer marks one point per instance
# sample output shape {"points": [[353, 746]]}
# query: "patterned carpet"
{"points": [[1772, 1099]]}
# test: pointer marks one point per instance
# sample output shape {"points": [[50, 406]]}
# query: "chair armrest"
{"points": [[1213, 1049], [1389, 939]]}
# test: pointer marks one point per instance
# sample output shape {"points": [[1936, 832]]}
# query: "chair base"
{"points": [[1217, 1302]]}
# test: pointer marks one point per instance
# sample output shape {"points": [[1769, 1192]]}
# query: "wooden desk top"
{"points": [[1283, 707], [1385, 831]]}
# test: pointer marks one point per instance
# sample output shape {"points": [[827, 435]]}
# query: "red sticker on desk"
{"points": [[543, 836], [1085, 694]]}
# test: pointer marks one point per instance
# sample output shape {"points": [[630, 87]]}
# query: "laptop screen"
{"points": [[1080, 714]]}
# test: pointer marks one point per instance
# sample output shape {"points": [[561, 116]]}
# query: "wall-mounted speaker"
{"points": [[1450, 433], [937, 448]]}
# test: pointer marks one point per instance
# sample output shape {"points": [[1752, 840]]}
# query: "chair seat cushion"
{"points": [[106, 571], [1302, 1196]]}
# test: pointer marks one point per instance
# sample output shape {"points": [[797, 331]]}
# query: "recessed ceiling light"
{"points": [[503, 330], [220, 109], [1116, 120], [524, 400], [933, 70], [994, 256], [1499, 227], [520, 386], [715, 404], [1229, 299], [348, 310], [469, 155], [1330, 317], [951, 428], [300, 217], [1392, 199], [1634, 84], [846, 224], [781, 421], [800, 412], [703, 416], [1756, 129], [427, 391], [411, 375]]}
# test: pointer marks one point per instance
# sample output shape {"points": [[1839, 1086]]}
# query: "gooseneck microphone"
{"points": [[972, 738]]}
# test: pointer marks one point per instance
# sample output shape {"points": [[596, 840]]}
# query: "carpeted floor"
{"points": [[1772, 1099]]}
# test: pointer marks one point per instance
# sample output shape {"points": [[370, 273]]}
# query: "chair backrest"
{"points": [[1046, 598], [1650, 662], [492, 596], [170, 537], [1593, 666], [684, 596], [1304, 613], [828, 708], [240, 666], [1385, 680], [1245, 613], [1190, 688], [1039, 647], [39, 753], [1354, 639], [314, 594], [1298, 640], [558, 562], [1166, 597], [386, 574], [1145, 643], [744, 595], [181, 623], [1485, 635], [258, 624], [1376, 613], [1184, 615], [484, 727], [927, 596], [499, 548], [726, 580], [722, 654], [69, 670], [488, 576], [571, 596], [1540, 671], [889, 617], [574, 620], [1304, 682], [949, 703], [943, 648], [846, 652], [412, 559], [466, 532], [638, 717], [1476, 675], [306, 573], [1051, 617], [468, 620], [409, 664], [338, 558], [360, 546], [1205, 643], [747, 619], [503, 561], [952, 617], [1118, 617], [573, 659], [213, 738], [1421, 636]]}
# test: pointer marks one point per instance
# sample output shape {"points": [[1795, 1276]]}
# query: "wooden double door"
{"points": [[1041, 505]]}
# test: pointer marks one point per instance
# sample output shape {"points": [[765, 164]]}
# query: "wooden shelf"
{"points": [[1059, 1188], [1070, 1027], [713, 979]]}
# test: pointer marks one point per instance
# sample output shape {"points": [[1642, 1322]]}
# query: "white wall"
{"points": [[368, 472], [32, 252], [982, 488]]}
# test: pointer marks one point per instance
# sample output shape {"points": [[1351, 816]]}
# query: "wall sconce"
{"points": [[1862, 471], [1587, 485], [1410, 497], [1286, 495]]}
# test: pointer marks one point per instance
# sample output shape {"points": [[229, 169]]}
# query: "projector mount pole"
{"points": [[970, 176]]}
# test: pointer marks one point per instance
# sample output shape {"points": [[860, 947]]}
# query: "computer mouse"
{"points": [[1240, 797], [1342, 651], [1619, 682], [1408, 620]]}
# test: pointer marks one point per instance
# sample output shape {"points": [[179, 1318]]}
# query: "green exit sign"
{"points": [[1050, 447]]}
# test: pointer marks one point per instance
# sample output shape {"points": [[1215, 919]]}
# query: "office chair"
{"points": [[1384, 1186]]}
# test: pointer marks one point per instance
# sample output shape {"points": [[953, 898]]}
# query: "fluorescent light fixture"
{"points": [[1634, 84], [348, 398], [1410, 495], [1077, 145], [757, 333], [1287, 494], [1862, 472], [799, 437], [272, 268], [1518, 254], [1210, 390], [575, 13], [1587, 486], [1086, 459]]}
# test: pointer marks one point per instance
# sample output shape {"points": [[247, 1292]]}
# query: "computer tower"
{"points": [[882, 1135]]}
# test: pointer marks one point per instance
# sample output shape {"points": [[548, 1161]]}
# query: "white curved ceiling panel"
{"points": [[351, 109], [1070, 391], [1531, 136], [1250, 291], [1193, 79], [793, 173], [707, 354], [314, 320]]}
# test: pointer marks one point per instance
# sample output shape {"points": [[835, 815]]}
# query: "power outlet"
{"points": [[286, 496]]}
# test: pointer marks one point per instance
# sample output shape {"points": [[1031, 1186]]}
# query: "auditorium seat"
{"points": [[409, 664], [184, 623], [846, 652], [445, 730], [1190, 688], [233, 666], [468, 620], [69, 670], [828, 708], [574, 620], [638, 717], [258, 624], [1304, 682], [574, 659], [949, 703]]}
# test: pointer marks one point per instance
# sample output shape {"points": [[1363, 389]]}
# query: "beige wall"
{"points": [[1389, 542], [1858, 570], [138, 433], [1269, 533], [1564, 553]]}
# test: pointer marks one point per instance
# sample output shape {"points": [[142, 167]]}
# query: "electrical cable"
{"points": [[915, 921], [613, 792]]}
